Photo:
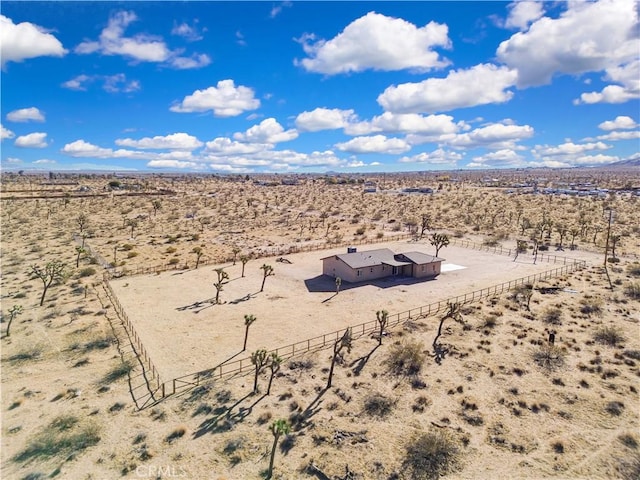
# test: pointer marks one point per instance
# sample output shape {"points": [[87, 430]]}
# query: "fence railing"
{"points": [[155, 389], [263, 252], [151, 379], [228, 369]]}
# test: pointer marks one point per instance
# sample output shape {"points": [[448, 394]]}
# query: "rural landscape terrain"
{"points": [[179, 326]]}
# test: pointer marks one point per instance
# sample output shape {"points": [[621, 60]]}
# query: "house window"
{"points": [[433, 268], [371, 270], [423, 267], [359, 273]]}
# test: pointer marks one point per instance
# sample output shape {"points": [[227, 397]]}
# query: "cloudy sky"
{"points": [[242, 87]]}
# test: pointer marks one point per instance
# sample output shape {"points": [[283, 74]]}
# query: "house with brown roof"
{"points": [[355, 266]]}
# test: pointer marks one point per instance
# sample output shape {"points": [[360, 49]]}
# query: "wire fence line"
{"points": [[155, 389], [262, 252], [231, 368]]}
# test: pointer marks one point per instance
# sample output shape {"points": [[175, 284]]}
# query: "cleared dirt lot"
{"points": [[183, 332]]}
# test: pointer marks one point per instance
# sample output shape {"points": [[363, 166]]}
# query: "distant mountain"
{"points": [[629, 162]]}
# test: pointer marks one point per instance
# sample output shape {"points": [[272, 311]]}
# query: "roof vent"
{"points": [[352, 249]]}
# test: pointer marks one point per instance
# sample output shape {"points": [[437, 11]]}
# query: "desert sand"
{"points": [[502, 402]]}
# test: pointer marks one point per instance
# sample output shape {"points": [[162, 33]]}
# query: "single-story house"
{"points": [[355, 266]]}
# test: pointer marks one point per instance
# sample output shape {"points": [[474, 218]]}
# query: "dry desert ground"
{"points": [[490, 397]]}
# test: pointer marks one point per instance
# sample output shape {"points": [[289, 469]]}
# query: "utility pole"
{"points": [[610, 213]]}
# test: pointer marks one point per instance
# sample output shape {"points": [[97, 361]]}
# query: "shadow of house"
{"points": [[382, 263], [325, 283]]}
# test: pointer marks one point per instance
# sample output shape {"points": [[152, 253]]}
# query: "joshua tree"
{"points": [[521, 247], [343, 342], [278, 428], [439, 240], [522, 295], [259, 360], [383, 318], [132, 223], [52, 272], [562, 231], [267, 271], [243, 259], [614, 242], [157, 205], [235, 251], [13, 313], [223, 279], [453, 311], [425, 224], [198, 251], [82, 220], [338, 284], [574, 231], [274, 365], [79, 251], [248, 320]]}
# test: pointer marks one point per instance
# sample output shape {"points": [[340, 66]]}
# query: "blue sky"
{"points": [[247, 87]]}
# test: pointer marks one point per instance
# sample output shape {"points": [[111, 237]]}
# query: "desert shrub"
{"points": [[614, 408], [174, 261], [549, 357], [634, 269], [635, 354], [591, 306], [175, 435], [86, 272], [552, 316], [629, 468], [431, 455], [610, 336], [63, 436], [378, 405], [127, 246], [171, 250], [406, 358], [628, 440], [632, 290], [118, 372], [132, 254]]}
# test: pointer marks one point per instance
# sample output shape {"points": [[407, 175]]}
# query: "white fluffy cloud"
{"points": [[140, 47], [5, 133], [568, 149], [32, 140], [620, 122], [522, 13], [479, 85], [31, 114], [615, 136], [587, 37], [189, 32], [374, 144], [437, 157], [175, 141], [496, 136], [430, 127], [267, 131], [225, 100], [324, 119], [80, 148], [225, 146], [498, 159], [628, 79], [110, 83], [26, 40], [376, 42]]}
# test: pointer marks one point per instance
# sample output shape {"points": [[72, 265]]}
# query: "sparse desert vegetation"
{"points": [[539, 381]]}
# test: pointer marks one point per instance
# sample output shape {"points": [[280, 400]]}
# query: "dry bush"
{"points": [[549, 357], [378, 405], [406, 358], [65, 435], [552, 316], [610, 336], [591, 306], [431, 455], [634, 269], [632, 290]]}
